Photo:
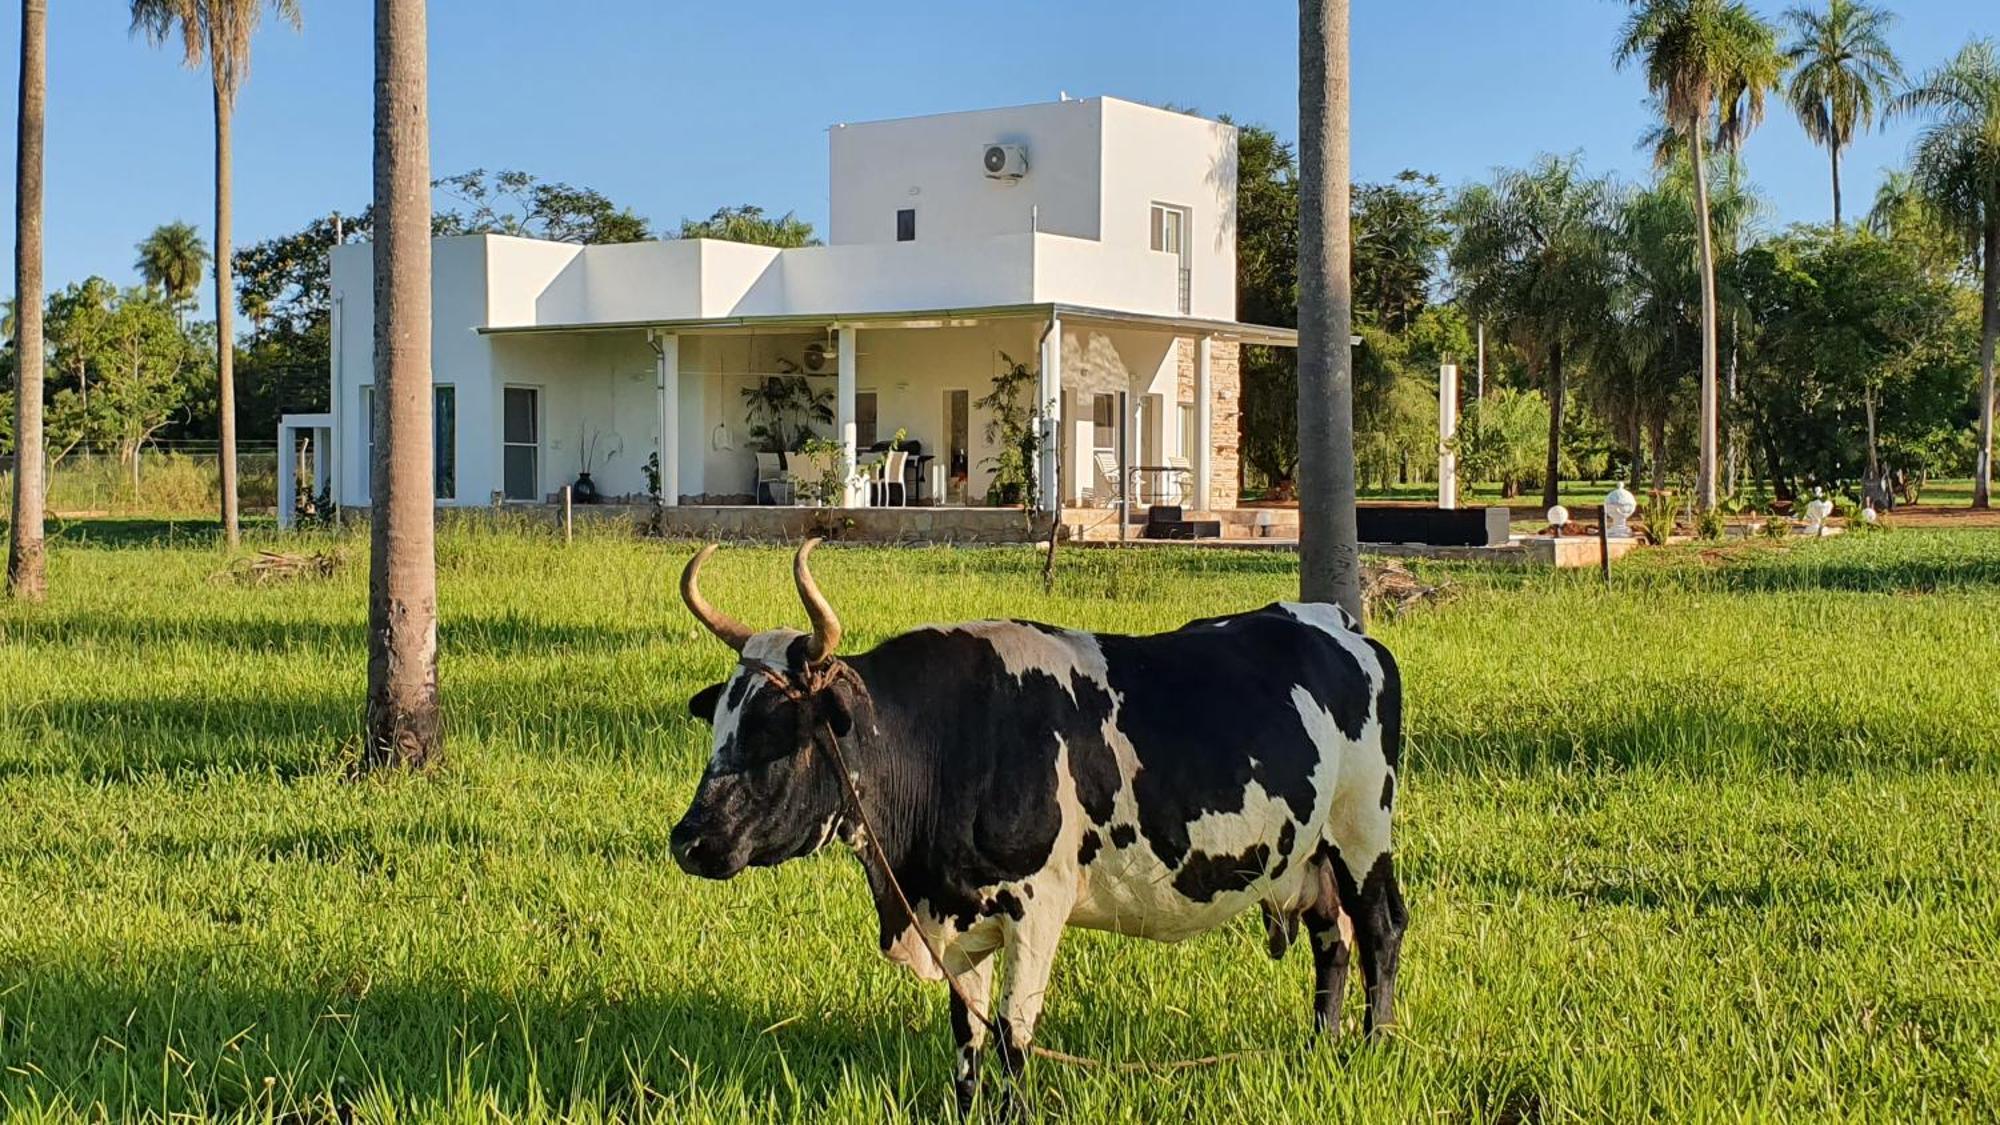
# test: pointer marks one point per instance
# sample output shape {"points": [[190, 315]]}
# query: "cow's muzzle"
{"points": [[700, 854]]}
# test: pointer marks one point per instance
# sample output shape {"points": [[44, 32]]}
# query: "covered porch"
{"points": [[1098, 409]]}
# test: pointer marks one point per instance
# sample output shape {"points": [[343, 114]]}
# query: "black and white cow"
{"points": [[1022, 778]]}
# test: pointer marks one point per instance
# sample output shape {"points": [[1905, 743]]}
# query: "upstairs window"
{"points": [[906, 225], [1169, 229]]}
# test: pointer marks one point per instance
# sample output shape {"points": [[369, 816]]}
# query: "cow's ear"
{"points": [[702, 706], [835, 711]]}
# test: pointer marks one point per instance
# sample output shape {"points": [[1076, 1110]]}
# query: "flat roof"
{"points": [[926, 318]]}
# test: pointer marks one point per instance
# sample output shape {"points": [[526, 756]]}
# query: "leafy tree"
{"points": [[748, 223], [1842, 68], [517, 203], [1900, 213], [1534, 256], [1505, 440], [218, 31], [1399, 241], [1708, 64], [1956, 168], [27, 578], [171, 260], [124, 367], [1845, 321], [1267, 292]]}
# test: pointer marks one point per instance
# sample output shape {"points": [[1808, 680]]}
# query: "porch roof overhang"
{"points": [[926, 318]]}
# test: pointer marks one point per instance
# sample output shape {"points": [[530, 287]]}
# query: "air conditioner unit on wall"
{"points": [[1005, 162]]}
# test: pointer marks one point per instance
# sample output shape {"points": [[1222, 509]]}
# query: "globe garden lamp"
{"points": [[1558, 518], [1869, 515], [1619, 505]]}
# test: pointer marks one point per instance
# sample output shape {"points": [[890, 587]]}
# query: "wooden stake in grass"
{"points": [[403, 727]]}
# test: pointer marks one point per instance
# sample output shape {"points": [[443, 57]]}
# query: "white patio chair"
{"points": [[892, 468], [1112, 490]]}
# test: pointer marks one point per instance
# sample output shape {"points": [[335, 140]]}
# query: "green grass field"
{"points": [[1718, 843]]}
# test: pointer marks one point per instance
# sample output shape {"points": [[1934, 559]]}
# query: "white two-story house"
{"points": [[1092, 240]]}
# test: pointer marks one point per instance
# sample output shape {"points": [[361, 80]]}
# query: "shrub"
{"points": [[1777, 527], [1711, 524], [1659, 516]]}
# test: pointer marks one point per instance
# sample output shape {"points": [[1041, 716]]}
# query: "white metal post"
{"points": [[1447, 431], [1204, 422], [667, 346], [1048, 393], [288, 488], [843, 416]]}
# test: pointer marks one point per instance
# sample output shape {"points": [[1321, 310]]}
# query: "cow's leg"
{"points": [[1332, 948], [1031, 956], [1366, 877], [972, 976]]}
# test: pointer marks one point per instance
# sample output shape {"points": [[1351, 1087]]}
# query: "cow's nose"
{"points": [[685, 844]]}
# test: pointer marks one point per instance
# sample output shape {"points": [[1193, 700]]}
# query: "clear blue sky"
{"points": [[677, 108]]}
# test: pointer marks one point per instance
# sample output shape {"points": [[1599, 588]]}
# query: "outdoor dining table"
{"points": [[913, 475], [1157, 476]]}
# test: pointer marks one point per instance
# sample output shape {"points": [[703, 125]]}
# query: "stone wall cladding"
{"points": [[1225, 382]]}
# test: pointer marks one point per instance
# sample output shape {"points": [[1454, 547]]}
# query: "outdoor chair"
{"points": [[1115, 488], [770, 478], [892, 466]]}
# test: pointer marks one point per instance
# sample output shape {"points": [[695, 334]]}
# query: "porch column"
{"points": [[1048, 409], [667, 347], [1447, 432], [1204, 422], [843, 416]]}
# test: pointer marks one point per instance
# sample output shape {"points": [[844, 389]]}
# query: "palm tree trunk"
{"points": [[1329, 547], [1874, 457], [403, 726], [26, 573], [1705, 493], [1982, 477], [225, 345], [1835, 150], [1551, 479]]}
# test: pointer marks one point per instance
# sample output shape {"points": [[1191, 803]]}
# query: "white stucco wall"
{"points": [[459, 357], [1159, 156], [932, 164]]}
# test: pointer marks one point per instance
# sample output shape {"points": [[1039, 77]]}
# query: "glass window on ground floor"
{"points": [[444, 441]]}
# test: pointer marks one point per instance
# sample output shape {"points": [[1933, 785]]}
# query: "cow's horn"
{"points": [[727, 629], [826, 626]]}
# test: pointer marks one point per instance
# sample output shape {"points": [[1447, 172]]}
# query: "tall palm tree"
{"points": [[218, 31], [1709, 64], [171, 259], [1842, 67], [403, 727], [26, 574], [1654, 342], [1329, 539], [1534, 256], [1956, 166]]}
